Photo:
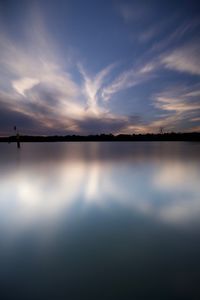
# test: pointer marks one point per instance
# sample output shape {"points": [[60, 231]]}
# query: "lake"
{"points": [[100, 221]]}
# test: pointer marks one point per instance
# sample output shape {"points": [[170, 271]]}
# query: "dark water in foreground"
{"points": [[100, 221]]}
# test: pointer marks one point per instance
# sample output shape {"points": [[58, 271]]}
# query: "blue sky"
{"points": [[86, 67]]}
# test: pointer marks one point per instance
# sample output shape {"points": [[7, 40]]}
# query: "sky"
{"points": [[101, 66]]}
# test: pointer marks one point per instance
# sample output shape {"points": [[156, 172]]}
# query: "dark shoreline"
{"points": [[194, 137]]}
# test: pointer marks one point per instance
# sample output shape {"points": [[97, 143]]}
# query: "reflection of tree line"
{"points": [[193, 136]]}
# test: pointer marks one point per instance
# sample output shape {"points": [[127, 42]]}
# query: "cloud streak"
{"points": [[178, 106], [92, 88], [184, 59], [130, 78]]}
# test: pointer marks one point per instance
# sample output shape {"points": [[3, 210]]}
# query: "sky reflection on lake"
{"points": [[39, 191], [131, 208]]}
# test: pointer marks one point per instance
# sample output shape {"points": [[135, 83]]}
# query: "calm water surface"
{"points": [[100, 221]]}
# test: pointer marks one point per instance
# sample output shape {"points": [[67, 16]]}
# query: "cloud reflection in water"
{"points": [[47, 183]]}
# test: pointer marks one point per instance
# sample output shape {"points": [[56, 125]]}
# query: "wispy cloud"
{"points": [[179, 99], [175, 104], [178, 107], [24, 84], [184, 59], [195, 119], [130, 78], [92, 87], [35, 83]]}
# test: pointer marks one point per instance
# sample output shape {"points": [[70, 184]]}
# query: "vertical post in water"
{"points": [[17, 137]]}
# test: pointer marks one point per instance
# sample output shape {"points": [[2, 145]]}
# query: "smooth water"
{"points": [[100, 221]]}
